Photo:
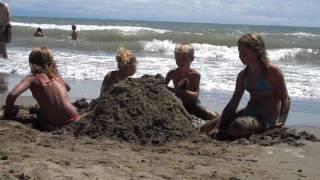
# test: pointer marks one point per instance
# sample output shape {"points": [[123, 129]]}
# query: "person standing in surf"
{"points": [[74, 33], [5, 29]]}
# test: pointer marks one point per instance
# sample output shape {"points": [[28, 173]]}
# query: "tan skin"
{"points": [[115, 76], [5, 30], [268, 104], [184, 75], [53, 99]]}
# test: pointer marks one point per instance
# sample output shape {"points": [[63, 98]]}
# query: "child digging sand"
{"points": [[127, 67], [49, 90], [186, 82]]}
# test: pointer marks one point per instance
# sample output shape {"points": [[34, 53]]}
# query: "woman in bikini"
{"points": [[49, 90], [269, 101]]}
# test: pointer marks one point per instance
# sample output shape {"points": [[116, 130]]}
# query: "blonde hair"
{"points": [[42, 60], [255, 42], [184, 48], [125, 57]]}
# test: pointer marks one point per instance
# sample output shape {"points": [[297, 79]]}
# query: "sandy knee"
{"points": [[243, 127]]}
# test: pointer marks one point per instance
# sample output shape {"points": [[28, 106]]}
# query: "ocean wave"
{"points": [[218, 66], [302, 34], [225, 52], [82, 27], [295, 34], [279, 54]]}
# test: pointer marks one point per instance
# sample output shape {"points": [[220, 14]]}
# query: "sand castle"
{"points": [[139, 110]]}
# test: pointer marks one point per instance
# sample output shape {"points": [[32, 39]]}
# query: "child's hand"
{"points": [[11, 113], [183, 84]]}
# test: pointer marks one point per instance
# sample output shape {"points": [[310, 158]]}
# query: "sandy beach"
{"points": [[138, 129], [26, 153]]}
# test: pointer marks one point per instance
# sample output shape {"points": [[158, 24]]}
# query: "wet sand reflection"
{"points": [[3, 83]]}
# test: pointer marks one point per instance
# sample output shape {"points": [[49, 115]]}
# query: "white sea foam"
{"points": [[302, 34], [125, 29], [219, 66], [297, 34], [218, 52], [278, 54]]}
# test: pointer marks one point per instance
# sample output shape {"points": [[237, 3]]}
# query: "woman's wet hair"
{"points": [[41, 61], [125, 57], [255, 42]]}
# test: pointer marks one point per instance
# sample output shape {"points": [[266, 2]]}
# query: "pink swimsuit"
{"points": [[73, 118]]}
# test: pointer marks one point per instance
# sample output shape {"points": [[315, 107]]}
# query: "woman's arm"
{"points": [[284, 97], [229, 112]]}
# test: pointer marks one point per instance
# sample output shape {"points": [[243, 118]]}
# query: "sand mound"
{"points": [[139, 110]]}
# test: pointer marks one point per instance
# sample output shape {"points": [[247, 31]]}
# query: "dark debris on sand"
{"points": [[277, 136], [138, 110]]}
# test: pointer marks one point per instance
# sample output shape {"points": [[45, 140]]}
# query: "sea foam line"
{"points": [[218, 52], [127, 29]]}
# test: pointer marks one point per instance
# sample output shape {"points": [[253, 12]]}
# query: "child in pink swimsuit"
{"points": [[48, 88]]}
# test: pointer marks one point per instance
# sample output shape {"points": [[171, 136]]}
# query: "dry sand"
{"points": [[26, 153]]}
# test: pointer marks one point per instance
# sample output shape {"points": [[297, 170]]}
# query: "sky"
{"points": [[258, 12]]}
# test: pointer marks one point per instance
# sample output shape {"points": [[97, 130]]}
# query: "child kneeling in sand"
{"points": [[269, 102], [49, 90], [186, 82], [127, 63]]}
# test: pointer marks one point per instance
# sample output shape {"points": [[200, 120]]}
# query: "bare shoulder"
{"points": [[274, 71], [29, 78], [110, 75], [195, 73], [241, 74], [171, 73]]}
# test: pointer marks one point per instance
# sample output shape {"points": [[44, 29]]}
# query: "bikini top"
{"points": [[47, 82], [262, 85]]}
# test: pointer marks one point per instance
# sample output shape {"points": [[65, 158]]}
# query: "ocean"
{"points": [[296, 50]]}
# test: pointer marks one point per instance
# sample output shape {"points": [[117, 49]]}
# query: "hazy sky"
{"points": [[268, 12]]}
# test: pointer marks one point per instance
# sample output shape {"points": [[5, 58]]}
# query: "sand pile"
{"points": [[139, 110]]}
